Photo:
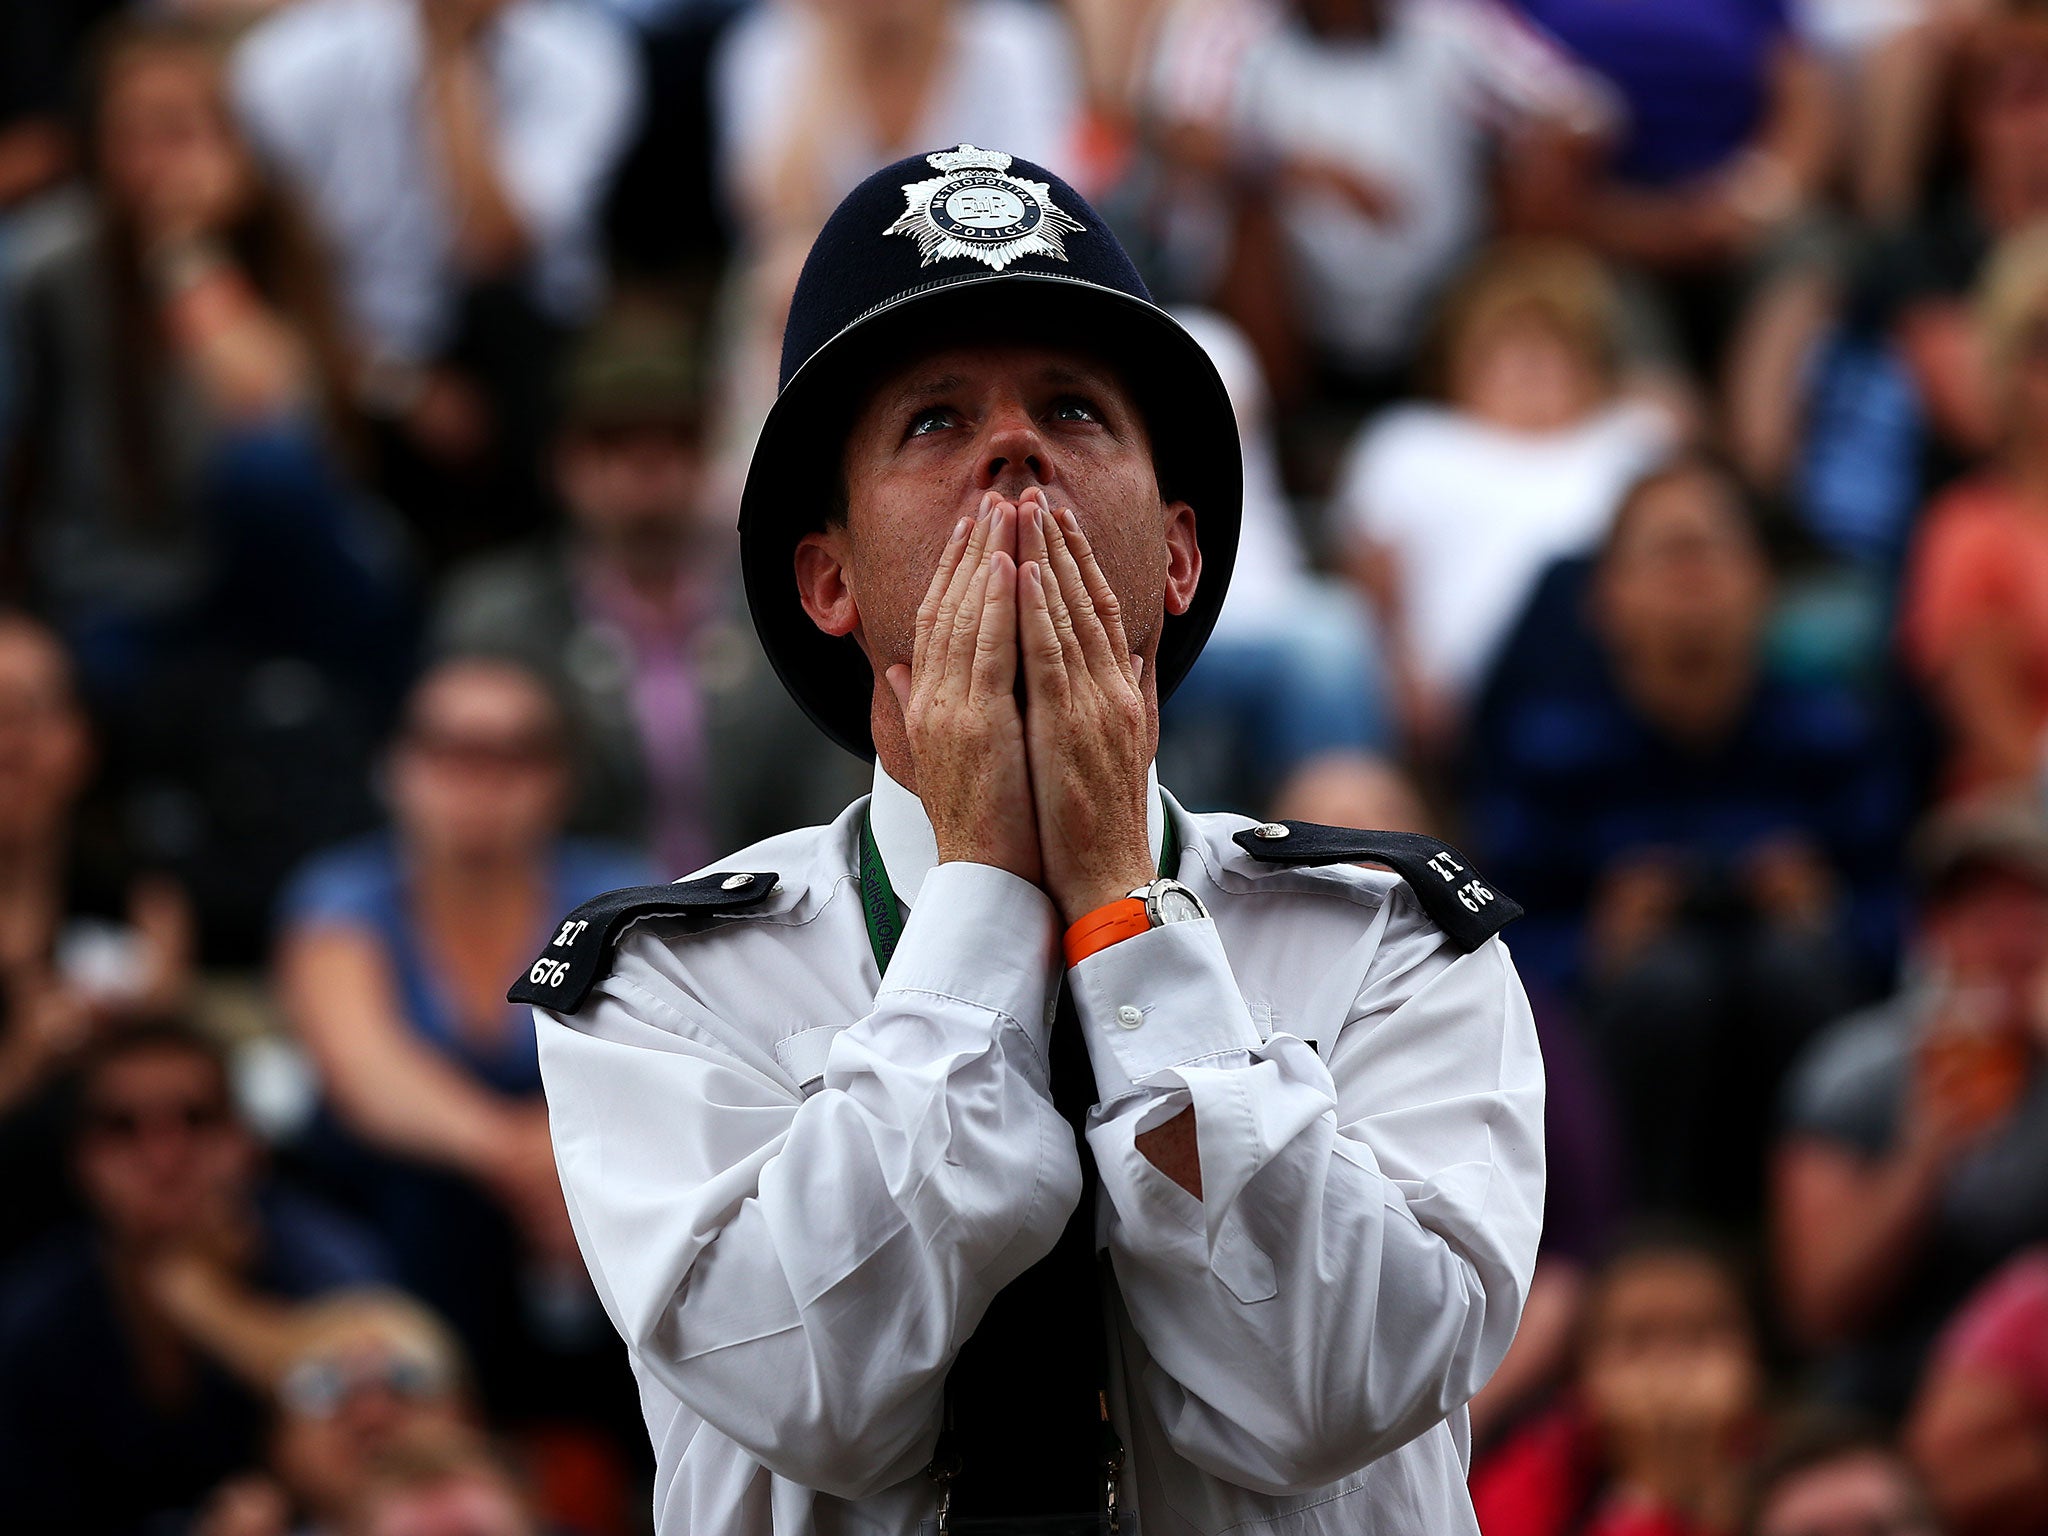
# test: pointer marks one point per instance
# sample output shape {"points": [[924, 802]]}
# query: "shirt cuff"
{"points": [[981, 936], [1158, 1001]]}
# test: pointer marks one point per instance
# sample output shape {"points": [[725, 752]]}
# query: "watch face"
{"points": [[1177, 904]]}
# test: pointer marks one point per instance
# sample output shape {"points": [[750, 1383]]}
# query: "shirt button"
{"points": [[1130, 1017]]}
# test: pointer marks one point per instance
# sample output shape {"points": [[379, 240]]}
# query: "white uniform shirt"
{"points": [[330, 91], [798, 1185]]}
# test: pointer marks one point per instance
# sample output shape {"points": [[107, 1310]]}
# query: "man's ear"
{"points": [[1183, 558], [824, 582]]}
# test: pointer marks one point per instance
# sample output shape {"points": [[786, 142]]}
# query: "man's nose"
{"points": [[1013, 455]]}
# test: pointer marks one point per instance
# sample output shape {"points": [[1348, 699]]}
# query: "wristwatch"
{"points": [[1168, 901], [1149, 906]]}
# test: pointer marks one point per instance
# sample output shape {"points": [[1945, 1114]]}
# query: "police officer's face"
{"points": [[941, 432]]}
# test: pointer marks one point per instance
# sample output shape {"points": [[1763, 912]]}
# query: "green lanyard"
{"points": [[885, 913]]}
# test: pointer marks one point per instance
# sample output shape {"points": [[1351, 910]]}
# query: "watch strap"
{"points": [[1095, 931]]}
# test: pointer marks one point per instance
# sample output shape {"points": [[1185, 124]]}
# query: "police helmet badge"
{"points": [[973, 208]]}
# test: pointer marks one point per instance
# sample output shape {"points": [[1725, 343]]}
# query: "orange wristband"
{"points": [[1096, 931]]}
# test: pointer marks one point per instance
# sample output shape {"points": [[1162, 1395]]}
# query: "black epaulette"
{"points": [[566, 970], [1450, 890]]}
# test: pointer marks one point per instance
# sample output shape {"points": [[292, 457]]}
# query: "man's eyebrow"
{"points": [[921, 385], [1067, 376]]}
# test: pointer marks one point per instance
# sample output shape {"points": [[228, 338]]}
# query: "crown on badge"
{"points": [[967, 158]]}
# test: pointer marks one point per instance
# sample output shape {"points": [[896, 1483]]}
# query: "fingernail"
{"points": [[988, 504], [1137, 666], [1073, 523], [960, 529]]}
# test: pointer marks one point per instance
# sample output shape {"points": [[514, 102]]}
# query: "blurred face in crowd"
{"points": [[1991, 923], [460, 1504], [45, 746], [939, 433], [1522, 372], [1865, 1493], [2006, 121], [170, 157], [1668, 1341], [480, 772], [632, 490], [365, 1381], [1683, 581], [160, 1154]]}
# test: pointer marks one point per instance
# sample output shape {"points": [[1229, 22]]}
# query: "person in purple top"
{"points": [[1699, 78], [1725, 136]]}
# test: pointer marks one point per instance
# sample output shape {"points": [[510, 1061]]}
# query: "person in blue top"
{"points": [[1707, 848], [394, 952]]}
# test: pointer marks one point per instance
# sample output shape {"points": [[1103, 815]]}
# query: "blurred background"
{"points": [[1645, 410]]}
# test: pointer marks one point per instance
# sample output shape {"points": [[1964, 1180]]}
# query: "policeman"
{"points": [[1022, 1152]]}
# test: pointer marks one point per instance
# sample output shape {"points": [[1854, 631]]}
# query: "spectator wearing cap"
{"points": [[1979, 1426], [366, 1371], [1913, 1157], [685, 742], [455, 154], [1708, 840], [129, 1346], [1974, 618], [393, 955], [1826, 1475], [1447, 512]]}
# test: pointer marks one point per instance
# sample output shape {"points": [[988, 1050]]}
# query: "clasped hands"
{"points": [[1053, 790]]}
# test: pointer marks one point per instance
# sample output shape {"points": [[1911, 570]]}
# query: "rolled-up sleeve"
{"points": [[1356, 1264], [801, 1271]]}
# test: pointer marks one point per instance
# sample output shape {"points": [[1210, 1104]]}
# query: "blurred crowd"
{"points": [[1645, 415]]}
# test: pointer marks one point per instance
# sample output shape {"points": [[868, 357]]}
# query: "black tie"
{"points": [[1023, 1394]]}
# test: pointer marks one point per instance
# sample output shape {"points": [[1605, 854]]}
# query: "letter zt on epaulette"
{"points": [[582, 946], [1450, 890]]}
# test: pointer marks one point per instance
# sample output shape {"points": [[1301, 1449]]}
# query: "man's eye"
{"points": [[1072, 409], [934, 420]]}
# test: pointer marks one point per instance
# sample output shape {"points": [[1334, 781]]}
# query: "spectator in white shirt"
{"points": [[1373, 119], [1447, 513], [444, 141], [454, 153]]}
